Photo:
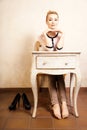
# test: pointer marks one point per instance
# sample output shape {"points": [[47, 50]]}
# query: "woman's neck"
{"points": [[51, 33]]}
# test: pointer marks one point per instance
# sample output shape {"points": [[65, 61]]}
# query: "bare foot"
{"points": [[65, 112], [56, 111]]}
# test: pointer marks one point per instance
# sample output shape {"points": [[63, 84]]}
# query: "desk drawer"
{"points": [[60, 62]]}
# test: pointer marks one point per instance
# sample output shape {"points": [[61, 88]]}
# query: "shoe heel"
{"points": [[14, 102], [19, 102], [26, 103]]}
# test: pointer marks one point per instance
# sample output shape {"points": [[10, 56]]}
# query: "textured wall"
{"points": [[20, 23]]}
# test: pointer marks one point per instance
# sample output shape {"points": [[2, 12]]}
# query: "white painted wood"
{"points": [[59, 62], [56, 63]]}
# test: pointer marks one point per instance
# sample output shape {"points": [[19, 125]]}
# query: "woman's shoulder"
{"points": [[60, 33]]}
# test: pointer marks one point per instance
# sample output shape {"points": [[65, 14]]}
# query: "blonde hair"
{"points": [[51, 12]]}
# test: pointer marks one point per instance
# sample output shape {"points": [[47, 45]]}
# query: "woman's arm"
{"points": [[44, 43], [60, 43]]}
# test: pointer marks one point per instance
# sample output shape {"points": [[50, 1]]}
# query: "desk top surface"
{"points": [[56, 52]]}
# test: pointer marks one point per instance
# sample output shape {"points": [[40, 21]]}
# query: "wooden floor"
{"points": [[21, 119]]}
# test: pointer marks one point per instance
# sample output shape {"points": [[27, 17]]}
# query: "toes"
{"points": [[56, 111], [65, 112]]}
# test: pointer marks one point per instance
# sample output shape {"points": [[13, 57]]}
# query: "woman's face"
{"points": [[52, 21]]}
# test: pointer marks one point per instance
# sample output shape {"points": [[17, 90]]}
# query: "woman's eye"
{"points": [[53, 20], [50, 19]]}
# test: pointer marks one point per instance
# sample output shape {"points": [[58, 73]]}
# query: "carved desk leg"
{"points": [[76, 90], [35, 93], [72, 85]]}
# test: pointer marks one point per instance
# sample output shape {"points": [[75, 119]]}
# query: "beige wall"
{"points": [[20, 23]]}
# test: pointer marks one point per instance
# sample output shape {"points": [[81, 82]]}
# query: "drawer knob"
{"points": [[44, 63], [66, 63]]}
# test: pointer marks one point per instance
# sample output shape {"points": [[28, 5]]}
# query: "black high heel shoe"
{"points": [[26, 102], [14, 102]]}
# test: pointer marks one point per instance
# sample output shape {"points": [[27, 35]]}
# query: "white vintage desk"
{"points": [[56, 63]]}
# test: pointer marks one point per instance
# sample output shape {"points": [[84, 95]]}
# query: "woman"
{"points": [[52, 40]]}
